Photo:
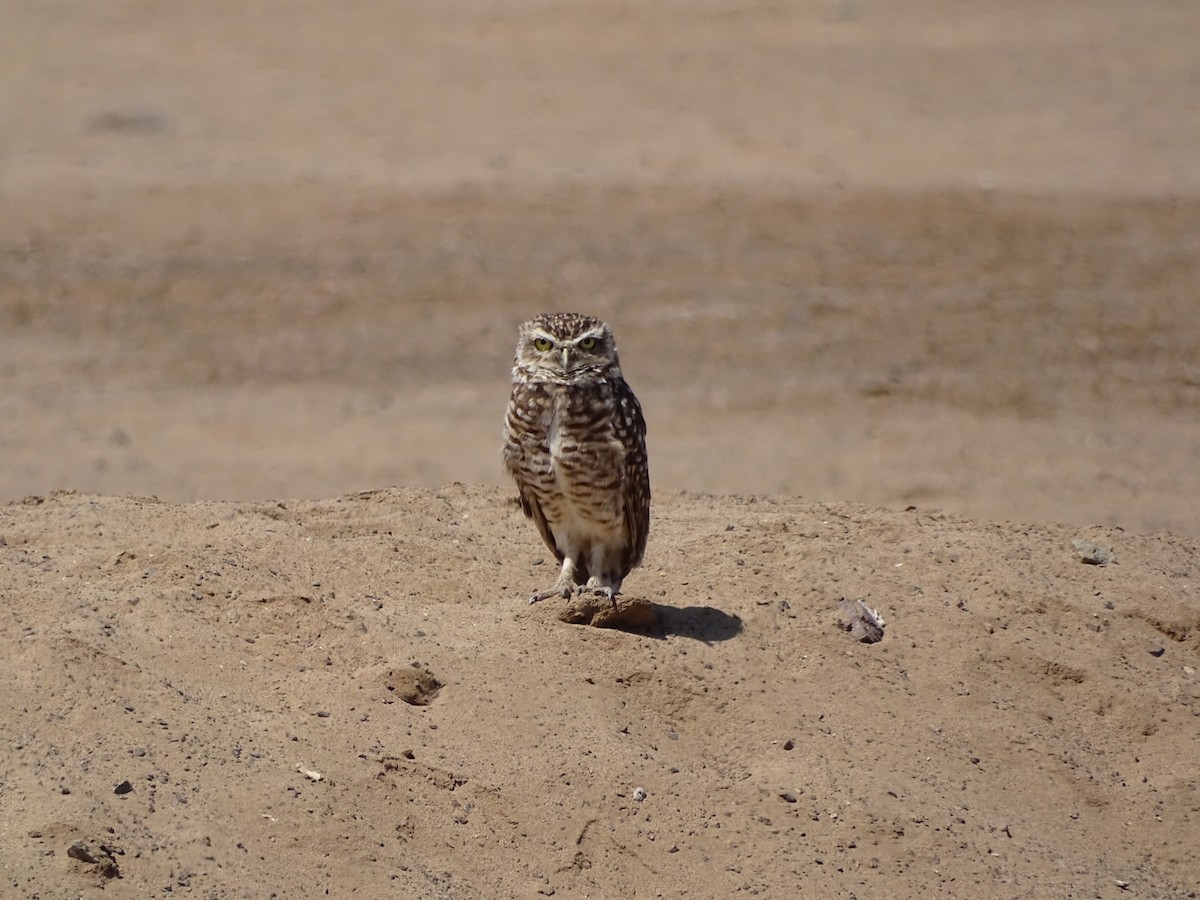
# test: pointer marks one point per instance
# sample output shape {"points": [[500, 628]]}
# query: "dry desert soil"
{"points": [[909, 293]]}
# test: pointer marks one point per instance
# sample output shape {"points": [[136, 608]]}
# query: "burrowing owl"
{"points": [[575, 441]]}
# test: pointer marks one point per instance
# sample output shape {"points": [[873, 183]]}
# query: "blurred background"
{"points": [[931, 252]]}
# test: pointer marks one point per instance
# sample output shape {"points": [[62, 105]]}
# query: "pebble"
{"points": [[1092, 553]]}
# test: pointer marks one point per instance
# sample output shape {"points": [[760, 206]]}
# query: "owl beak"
{"points": [[566, 359]]}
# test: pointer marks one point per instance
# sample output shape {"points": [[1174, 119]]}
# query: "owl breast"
{"points": [[573, 458]]}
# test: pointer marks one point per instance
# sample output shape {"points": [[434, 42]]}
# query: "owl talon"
{"points": [[608, 592]]}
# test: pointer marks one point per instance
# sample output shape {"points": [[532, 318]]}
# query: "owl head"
{"points": [[561, 346]]}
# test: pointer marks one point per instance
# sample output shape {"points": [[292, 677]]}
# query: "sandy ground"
{"points": [[888, 278]]}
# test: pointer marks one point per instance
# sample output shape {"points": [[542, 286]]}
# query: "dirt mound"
{"points": [[353, 696]]}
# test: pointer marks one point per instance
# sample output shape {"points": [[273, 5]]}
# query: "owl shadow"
{"points": [[702, 623], [637, 615]]}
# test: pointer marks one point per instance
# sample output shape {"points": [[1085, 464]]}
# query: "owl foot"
{"points": [[564, 591]]}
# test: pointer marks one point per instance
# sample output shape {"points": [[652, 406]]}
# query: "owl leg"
{"points": [[607, 586], [564, 587]]}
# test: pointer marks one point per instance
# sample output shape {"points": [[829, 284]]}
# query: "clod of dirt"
{"points": [[104, 862], [79, 850], [416, 687], [633, 614], [1092, 553], [861, 621]]}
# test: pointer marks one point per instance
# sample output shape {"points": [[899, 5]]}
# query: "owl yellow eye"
{"points": [[542, 344], [588, 343]]}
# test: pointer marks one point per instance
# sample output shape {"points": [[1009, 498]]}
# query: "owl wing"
{"points": [[533, 509], [524, 441], [635, 479]]}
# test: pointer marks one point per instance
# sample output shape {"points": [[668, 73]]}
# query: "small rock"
{"points": [[123, 788], [863, 623], [1158, 650], [105, 864], [1092, 553], [639, 794], [789, 744], [788, 797]]}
